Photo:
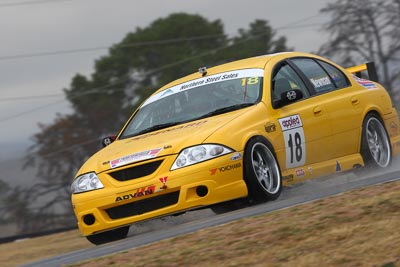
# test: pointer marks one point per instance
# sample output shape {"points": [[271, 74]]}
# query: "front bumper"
{"points": [[160, 193]]}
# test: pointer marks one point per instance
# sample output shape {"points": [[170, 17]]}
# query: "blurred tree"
{"points": [[143, 61], [362, 31], [4, 188], [259, 39]]}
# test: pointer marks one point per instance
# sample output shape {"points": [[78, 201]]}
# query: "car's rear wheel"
{"points": [[109, 236], [375, 144], [261, 170]]}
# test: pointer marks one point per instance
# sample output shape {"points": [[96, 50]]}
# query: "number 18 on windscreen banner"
{"points": [[293, 133]]}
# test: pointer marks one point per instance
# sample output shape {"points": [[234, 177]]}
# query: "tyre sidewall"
{"points": [[255, 190], [366, 154]]}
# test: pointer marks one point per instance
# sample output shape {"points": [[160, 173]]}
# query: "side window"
{"points": [[337, 76], [285, 79], [315, 74]]}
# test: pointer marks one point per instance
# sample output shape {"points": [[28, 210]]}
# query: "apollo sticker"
{"points": [[295, 145]]}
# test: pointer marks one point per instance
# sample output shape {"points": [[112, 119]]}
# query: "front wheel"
{"points": [[375, 144], [109, 236], [261, 170]]}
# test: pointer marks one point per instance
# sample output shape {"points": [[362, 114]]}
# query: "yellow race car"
{"points": [[239, 130]]}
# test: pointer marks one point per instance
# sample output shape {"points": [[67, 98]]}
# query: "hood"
{"points": [[158, 143]]}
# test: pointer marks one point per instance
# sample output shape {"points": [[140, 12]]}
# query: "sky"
{"points": [[44, 43]]}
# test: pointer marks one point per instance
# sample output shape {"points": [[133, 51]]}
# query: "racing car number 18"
{"points": [[293, 133]]}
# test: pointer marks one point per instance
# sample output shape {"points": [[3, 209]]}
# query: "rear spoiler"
{"points": [[369, 67]]}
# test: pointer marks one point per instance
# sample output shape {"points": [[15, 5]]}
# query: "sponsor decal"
{"points": [[365, 83], [288, 178], [236, 156], [192, 84], [140, 192], [163, 180], [300, 173], [225, 76], [295, 141], [211, 79], [290, 122], [270, 127], [148, 154], [320, 82], [225, 168], [338, 167]]}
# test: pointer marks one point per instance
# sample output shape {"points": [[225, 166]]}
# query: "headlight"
{"points": [[86, 182], [196, 154]]}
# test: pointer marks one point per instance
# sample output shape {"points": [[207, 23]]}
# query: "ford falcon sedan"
{"points": [[241, 130]]}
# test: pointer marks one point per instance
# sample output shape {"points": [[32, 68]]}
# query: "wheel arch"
{"points": [[256, 136], [363, 147], [268, 139], [371, 111]]}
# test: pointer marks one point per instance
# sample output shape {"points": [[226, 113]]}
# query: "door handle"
{"points": [[317, 110], [355, 100]]}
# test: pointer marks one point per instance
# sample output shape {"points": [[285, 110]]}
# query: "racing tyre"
{"points": [[375, 144], [261, 171], [109, 236]]}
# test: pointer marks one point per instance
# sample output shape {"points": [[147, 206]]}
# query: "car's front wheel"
{"points": [[375, 144], [109, 236], [261, 170]]}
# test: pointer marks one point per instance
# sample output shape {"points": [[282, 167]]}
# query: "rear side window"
{"points": [[317, 76], [339, 79], [323, 76]]}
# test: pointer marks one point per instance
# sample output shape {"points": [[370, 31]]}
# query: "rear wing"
{"points": [[369, 67]]}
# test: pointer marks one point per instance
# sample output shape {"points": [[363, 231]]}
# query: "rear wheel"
{"points": [[109, 236], [375, 144], [261, 170]]}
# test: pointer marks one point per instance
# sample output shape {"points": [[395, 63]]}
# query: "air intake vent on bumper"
{"points": [[136, 171]]}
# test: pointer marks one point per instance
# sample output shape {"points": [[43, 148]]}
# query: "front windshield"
{"points": [[196, 99]]}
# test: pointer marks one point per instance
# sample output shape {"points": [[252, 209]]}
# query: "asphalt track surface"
{"points": [[159, 229]]}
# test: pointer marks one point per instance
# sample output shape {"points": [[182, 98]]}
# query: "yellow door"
{"points": [[305, 124], [343, 103]]}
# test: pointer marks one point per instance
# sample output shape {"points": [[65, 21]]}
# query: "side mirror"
{"points": [[288, 97], [292, 95], [108, 140]]}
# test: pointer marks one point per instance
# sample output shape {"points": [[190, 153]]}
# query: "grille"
{"points": [[136, 171], [143, 206]]}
